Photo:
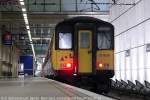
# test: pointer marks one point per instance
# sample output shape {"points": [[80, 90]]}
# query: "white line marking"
{"points": [[86, 92]]}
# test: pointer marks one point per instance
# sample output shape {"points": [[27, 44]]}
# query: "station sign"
{"points": [[9, 2], [147, 47], [7, 39], [9, 5]]}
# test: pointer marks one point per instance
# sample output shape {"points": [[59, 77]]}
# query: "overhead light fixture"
{"points": [[33, 51], [26, 22], [38, 38], [28, 31], [27, 26], [25, 19], [22, 3], [29, 35], [24, 9], [25, 15]]}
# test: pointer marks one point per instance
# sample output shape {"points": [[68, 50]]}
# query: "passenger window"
{"points": [[104, 40], [84, 40], [65, 40]]}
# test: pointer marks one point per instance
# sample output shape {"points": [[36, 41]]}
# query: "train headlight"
{"points": [[100, 65], [68, 65]]}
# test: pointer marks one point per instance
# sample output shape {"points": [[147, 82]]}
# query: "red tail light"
{"points": [[68, 65]]}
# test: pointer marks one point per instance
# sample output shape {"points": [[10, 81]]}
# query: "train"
{"points": [[82, 51]]}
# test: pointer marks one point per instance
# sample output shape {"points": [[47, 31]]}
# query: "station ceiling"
{"points": [[43, 15]]}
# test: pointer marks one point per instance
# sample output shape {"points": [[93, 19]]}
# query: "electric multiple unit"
{"points": [[83, 47]]}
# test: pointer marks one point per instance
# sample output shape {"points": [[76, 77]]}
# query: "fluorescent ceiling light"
{"points": [[26, 22], [33, 51], [25, 15], [29, 35], [24, 9], [22, 3], [38, 38], [25, 18], [28, 31], [27, 27]]}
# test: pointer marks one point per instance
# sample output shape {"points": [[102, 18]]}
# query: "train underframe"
{"points": [[99, 82]]}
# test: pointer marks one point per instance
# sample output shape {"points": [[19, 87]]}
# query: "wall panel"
{"points": [[132, 33]]}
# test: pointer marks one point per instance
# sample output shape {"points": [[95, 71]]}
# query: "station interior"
{"points": [[27, 29]]}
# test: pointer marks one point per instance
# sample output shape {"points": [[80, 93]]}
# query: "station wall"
{"points": [[132, 40], [9, 61], [9, 56]]}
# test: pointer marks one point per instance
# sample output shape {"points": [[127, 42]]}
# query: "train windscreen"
{"points": [[65, 40], [104, 39]]}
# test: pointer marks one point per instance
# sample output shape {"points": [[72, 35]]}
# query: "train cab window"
{"points": [[84, 40], [104, 40], [65, 40]]}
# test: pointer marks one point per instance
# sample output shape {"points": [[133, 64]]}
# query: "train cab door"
{"points": [[85, 51]]}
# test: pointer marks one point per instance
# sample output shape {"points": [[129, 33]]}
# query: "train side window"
{"points": [[84, 40], [104, 40], [65, 40]]}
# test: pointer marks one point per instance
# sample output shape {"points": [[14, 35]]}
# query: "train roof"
{"points": [[75, 20]]}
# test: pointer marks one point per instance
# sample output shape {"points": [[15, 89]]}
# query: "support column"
{"points": [[0, 48]]}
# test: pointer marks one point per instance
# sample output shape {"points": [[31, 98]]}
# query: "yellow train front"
{"points": [[83, 48]]}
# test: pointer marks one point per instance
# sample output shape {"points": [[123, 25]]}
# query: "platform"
{"points": [[40, 88]]}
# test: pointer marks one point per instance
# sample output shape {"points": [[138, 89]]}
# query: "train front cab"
{"points": [[84, 50]]}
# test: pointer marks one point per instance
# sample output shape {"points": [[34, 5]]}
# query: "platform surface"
{"points": [[38, 88]]}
